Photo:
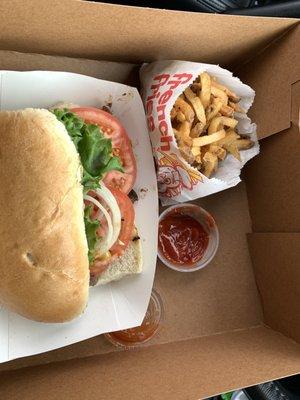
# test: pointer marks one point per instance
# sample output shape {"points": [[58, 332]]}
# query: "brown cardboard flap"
{"points": [[223, 296], [271, 74], [273, 178], [110, 32], [295, 113], [190, 369], [275, 259], [111, 71]]}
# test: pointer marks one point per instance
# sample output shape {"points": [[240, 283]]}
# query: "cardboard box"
{"points": [[237, 322]]}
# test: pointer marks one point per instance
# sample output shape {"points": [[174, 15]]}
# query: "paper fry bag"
{"points": [[178, 181]]}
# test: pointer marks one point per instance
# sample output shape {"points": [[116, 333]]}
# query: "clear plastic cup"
{"points": [[135, 337], [209, 225]]}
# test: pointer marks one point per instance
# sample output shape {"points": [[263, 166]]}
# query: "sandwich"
{"points": [[66, 220]]}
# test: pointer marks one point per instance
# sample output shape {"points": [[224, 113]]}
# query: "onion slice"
{"points": [[106, 243], [110, 200]]}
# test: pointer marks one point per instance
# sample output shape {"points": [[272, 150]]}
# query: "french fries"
{"points": [[219, 121], [210, 163], [208, 139], [196, 104], [197, 130], [233, 97], [220, 94], [183, 107], [213, 109], [227, 111], [204, 124], [205, 89]]}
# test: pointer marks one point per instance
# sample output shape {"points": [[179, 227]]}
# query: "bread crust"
{"points": [[129, 263], [44, 269]]}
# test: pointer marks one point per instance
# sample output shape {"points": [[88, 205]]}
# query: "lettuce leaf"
{"points": [[95, 152], [91, 226], [94, 149]]}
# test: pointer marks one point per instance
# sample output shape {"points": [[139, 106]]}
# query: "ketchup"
{"points": [[181, 238], [139, 334], [135, 336]]}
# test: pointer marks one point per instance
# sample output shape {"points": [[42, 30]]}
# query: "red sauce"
{"points": [[140, 334], [134, 335], [181, 238]]}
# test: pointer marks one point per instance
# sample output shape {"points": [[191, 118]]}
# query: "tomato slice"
{"points": [[99, 266], [126, 232], [127, 219], [113, 129]]}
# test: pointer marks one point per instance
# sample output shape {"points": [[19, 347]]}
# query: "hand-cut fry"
{"points": [[210, 163], [197, 105], [218, 151], [220, 94], [198, 160], [204, 140], [240, 143], [189, 94], [236, 107], [227, 111], [196, 87], [244, 144], [197, 130], [213, 109], [187, 154], [205, 89], [218, 121], [232, 149], [204, 126], [233, 97], [229, 138], [180, 116], [183, 133], [196, 150], [182, 140], [185, 108]]}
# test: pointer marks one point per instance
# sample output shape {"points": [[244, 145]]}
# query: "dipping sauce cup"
{"points": [[135, 337], [188, 237]]}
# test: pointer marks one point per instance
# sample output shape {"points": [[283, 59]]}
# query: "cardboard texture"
{"points": [[214, 336], [276, 207], [112, 32], [110, 71], [280, 63], [276, 262], [191, 369]]}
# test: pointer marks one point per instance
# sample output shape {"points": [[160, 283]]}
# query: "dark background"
{"points": [[271, 8]]}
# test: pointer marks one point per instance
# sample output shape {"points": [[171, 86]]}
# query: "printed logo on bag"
{"points": [[162, 90], [173, 176]]}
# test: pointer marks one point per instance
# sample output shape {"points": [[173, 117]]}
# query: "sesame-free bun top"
{"points": [[44, 268]]}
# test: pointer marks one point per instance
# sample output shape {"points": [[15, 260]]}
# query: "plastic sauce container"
{"points": [[188, 237], [134, 337]]}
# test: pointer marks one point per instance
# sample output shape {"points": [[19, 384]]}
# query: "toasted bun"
{"points": [[129, 263], [44, 270]]}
